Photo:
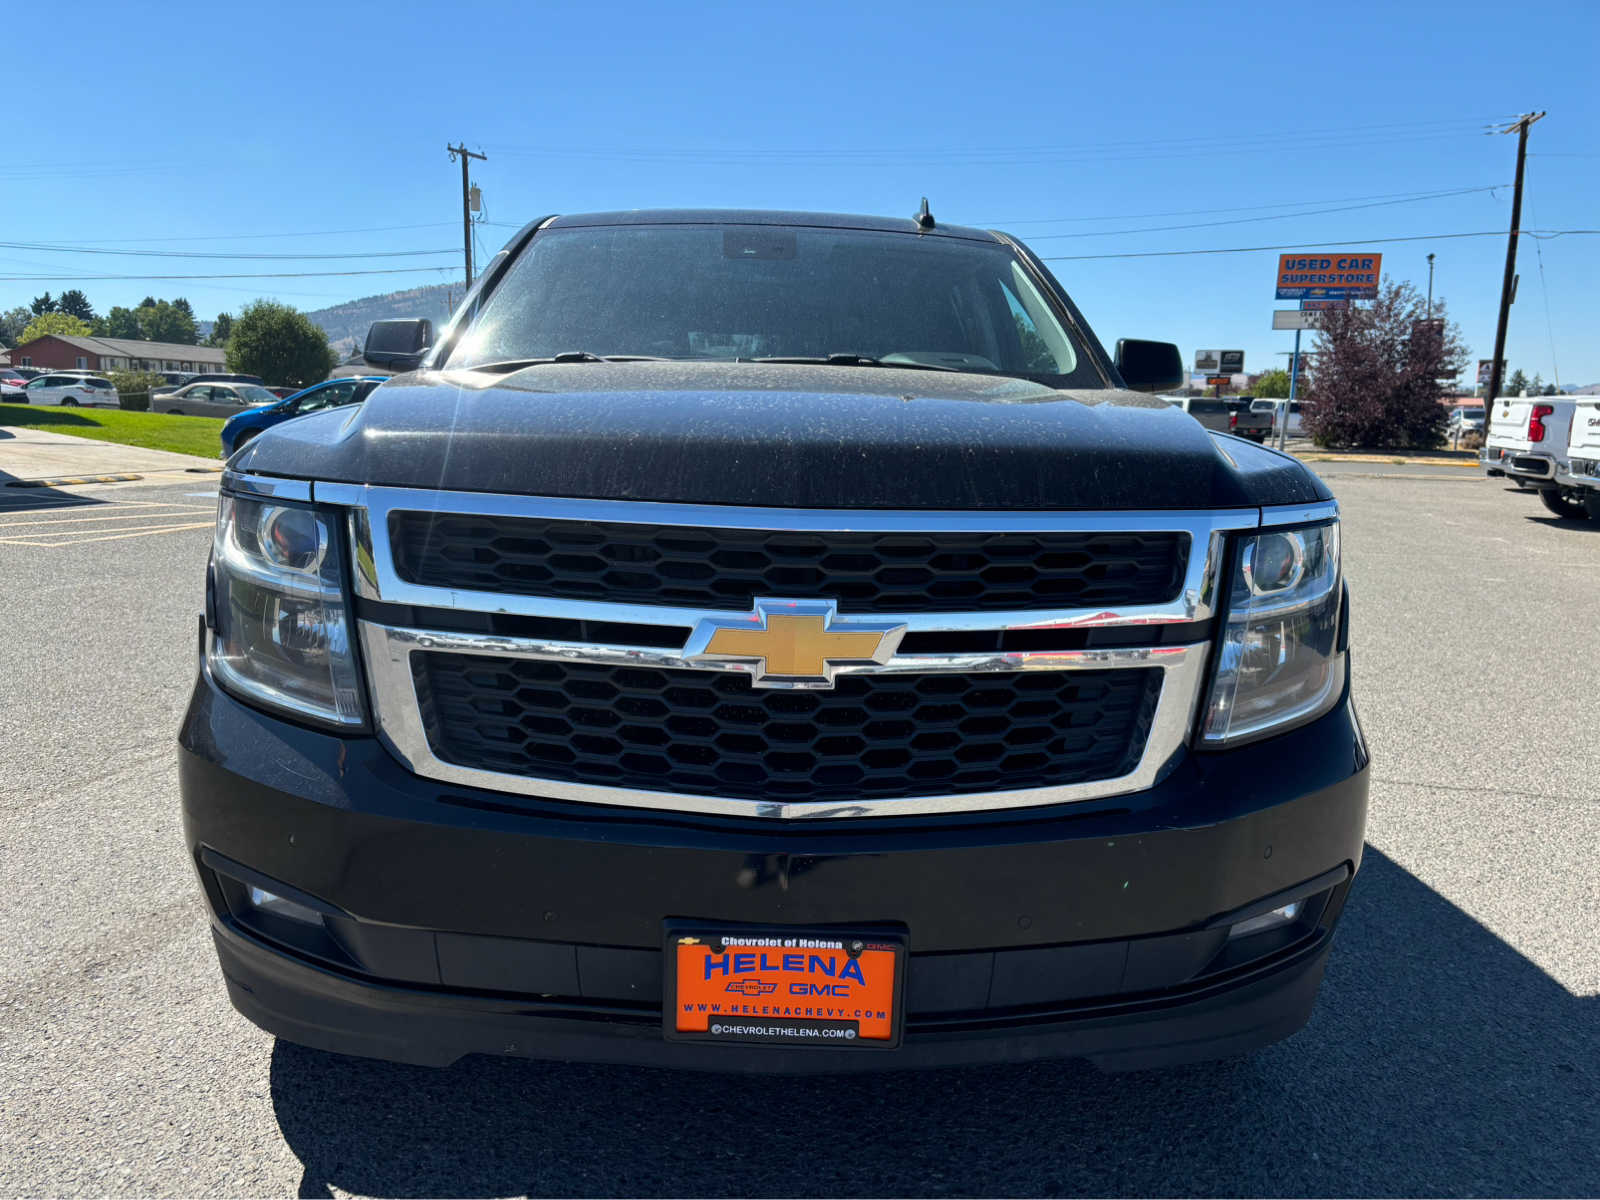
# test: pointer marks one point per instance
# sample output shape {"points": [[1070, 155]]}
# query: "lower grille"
{"points": [[873, 737]]}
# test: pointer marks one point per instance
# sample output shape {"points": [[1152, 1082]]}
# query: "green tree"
{"points": [[1550, 389], [280, 344], [13, 322], [148, 302], [120, 323], [43, 304], [75, 303], [62, 324], [1272, 385], [164, 322], [184, 307], [1516, 385], [221, 330]]}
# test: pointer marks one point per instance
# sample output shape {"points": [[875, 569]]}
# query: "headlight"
{"points": [[282, 635], [1279, 662]]}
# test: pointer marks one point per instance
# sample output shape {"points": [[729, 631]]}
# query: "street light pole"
{"points": [[1430, 287]]}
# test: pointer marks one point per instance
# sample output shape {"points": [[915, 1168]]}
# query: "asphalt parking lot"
{"points": [[1455, 1049]]}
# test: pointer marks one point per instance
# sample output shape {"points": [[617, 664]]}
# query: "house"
{"points": [[60, 352]]}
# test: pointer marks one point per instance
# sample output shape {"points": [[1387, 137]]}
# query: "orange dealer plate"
{"points": [[783, 987]]}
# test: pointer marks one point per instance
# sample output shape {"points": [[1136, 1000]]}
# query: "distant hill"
{"points": [[346, 324]]}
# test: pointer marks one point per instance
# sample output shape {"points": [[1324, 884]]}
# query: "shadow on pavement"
{"points": [[41, 415], [24, 497], [1440, 1061], [1556, 522]]}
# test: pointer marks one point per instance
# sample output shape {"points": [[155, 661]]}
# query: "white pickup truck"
{"points": [[1527, 443], [1581, 474]]}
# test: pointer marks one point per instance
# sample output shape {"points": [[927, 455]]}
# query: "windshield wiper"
{"points": [[846, 360], [566, 356]]}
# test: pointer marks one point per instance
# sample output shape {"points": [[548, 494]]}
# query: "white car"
{"points": [[1527, 443], [1462, 420], [72, 389], [1296, 428], [1579, 475]]}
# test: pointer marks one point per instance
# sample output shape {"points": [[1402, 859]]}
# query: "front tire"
{"points": [[1565, 502], [69, 402]]}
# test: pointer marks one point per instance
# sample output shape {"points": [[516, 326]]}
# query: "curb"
{"points": [[73, 481], [1399, 460]]}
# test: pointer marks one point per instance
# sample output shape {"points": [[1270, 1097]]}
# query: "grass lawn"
{"points": [[154, 431]]}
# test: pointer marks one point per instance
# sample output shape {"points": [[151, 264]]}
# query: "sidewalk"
{"points": [[39, 455]]}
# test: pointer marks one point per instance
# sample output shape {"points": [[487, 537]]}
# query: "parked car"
{"points": [[213, 399], [1273, 407], [71, 390], [1578, 474], [334, 393], [1463, 419], [1528, 436], [27, 372], [168, 390], [1225, 416], [782, 642], [11, 385]]}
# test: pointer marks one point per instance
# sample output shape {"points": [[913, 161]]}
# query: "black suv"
{"points": [[774, 642]]}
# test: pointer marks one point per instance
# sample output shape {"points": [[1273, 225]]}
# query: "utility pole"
{"points": [[1508, 284], [1430, 287], [466, 189]]}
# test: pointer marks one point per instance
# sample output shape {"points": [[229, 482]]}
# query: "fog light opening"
{"points": [[264, 901], [1275, 919]]}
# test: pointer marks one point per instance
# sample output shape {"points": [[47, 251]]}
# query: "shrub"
{"points": [[133, 388]]}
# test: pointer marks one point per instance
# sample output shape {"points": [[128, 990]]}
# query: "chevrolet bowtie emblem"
{"points": [[793, 643]]}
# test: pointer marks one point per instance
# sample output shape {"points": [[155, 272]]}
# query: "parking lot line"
{"points": [[144, 514], [98, 536]]}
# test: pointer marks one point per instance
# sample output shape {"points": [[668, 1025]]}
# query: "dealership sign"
{"points": [[1218, 362], [1329, 276]]}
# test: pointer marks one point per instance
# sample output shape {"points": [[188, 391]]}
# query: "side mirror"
{"points": [[1149, 366], [398, 345]]}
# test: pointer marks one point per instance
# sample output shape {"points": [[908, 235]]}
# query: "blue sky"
{"points": [[297, 128]]}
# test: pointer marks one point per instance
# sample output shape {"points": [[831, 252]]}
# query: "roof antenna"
{"points": [[924, 218]]}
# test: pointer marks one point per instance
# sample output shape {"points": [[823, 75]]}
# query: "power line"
{"points": [[245, 275], [1550, 327], [1428, 237], [1316, 212], [1205, 212], [1206, 144], [60, 249], [1539, 233], [245, 237]]}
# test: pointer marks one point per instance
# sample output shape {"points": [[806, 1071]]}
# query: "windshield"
{"points": [[758, 291]]}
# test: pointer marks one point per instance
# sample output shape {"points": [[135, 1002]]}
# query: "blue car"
{"points": [[351, 389]]}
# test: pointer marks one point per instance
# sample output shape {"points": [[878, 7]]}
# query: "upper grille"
{"points": [[705, 732], [730, 568]]}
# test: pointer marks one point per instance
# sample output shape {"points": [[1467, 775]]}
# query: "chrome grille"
{"points": [[467, 690]]}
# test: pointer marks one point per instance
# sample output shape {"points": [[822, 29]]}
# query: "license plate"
{"points": [[783, 987]]}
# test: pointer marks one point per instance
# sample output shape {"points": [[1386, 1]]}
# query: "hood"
{"points": [[779, 436]]}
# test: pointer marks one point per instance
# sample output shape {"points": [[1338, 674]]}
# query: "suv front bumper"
{"points": [[457, 921]]}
